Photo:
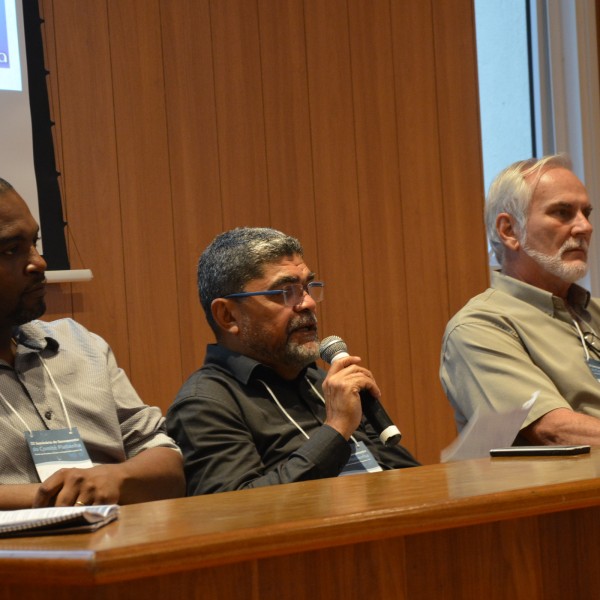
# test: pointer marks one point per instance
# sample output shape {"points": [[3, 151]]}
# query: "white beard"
{"points": [[554, 263]]}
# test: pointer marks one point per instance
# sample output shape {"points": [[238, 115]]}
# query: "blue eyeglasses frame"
{"points": [[286, 291]]}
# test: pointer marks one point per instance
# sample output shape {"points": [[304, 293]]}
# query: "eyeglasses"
{"points": [[592, 341], [293, 293]]}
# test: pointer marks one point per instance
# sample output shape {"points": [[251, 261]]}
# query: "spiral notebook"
{"points": [[56, 520]]}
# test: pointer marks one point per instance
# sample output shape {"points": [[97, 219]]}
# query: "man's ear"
{"points": [[507, 228], [225, 315]]}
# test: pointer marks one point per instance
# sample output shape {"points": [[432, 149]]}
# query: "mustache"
{"points": [[303, 320], [37, 283], [574, 244]]}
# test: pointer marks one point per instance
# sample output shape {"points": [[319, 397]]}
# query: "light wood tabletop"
{"points": [[187, 533]]}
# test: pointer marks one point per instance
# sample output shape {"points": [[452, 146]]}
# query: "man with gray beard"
{"points": [[259, 412], [534, 329]]}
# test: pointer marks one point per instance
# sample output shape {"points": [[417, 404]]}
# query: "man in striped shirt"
{"points": [[58, 377]]}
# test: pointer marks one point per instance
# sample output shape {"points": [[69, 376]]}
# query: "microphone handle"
{"points": [[377, 416]]}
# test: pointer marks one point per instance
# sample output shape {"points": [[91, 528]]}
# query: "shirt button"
{"points": [[48, 414]]}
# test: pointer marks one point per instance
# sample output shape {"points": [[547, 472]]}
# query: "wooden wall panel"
{"points": [[499, 553], [145, 192], [193, 159], [417, 114], [461, 178], [350, 124], [380, 204], [461, 171], [564, 573], [287, 123], [598, 24], [84, 114], [334, 171], [240, 117], [381, 566]]}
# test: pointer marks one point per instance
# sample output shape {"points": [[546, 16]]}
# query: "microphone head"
{"points": [[331, 346]]}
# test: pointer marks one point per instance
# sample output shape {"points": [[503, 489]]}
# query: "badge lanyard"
{"points": [[54, 449], [361, 459], [592, 363]]}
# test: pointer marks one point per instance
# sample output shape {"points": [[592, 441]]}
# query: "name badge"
{"points": [[361, 461], [57, 449], [594, 366]]}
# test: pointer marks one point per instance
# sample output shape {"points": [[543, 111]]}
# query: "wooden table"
{"points": [[490, 528]]}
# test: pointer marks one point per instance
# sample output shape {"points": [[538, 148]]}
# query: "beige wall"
{"points": [[352, 124]]}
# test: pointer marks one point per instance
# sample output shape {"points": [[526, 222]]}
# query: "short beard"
{"points": [[554, 263], [25, 312], [300, 355], [291, 354]]}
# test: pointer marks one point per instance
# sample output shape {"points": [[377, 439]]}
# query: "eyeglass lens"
{"points": [[294, 293], [592, 340]]}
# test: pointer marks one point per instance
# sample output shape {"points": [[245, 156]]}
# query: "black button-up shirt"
{"points": [[234, 436]]}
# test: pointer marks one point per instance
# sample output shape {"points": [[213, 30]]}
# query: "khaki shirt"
{"points": [[514, 339]]}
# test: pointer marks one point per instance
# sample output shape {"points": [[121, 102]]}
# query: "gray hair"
{"points": [[236, 257], [5, 186], [511, 192]]}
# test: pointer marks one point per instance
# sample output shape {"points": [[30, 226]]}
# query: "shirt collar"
{"points": [[244, 368], [31, 336], [578, 297]]}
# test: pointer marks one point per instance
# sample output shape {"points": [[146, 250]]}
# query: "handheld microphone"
{"points": [[333, 348]]}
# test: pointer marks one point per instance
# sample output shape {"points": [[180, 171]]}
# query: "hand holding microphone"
{"points": [[334, 348]]}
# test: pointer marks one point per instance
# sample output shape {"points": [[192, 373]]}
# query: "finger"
{"points": [[367, 386], [372, 388], [352, 375], [68, 496], [72, 489], [47, 491], [354, 379], [342, 363]]}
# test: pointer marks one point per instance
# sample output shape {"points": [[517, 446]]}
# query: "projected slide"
{"points": [[16, 149], [10, 63]]}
